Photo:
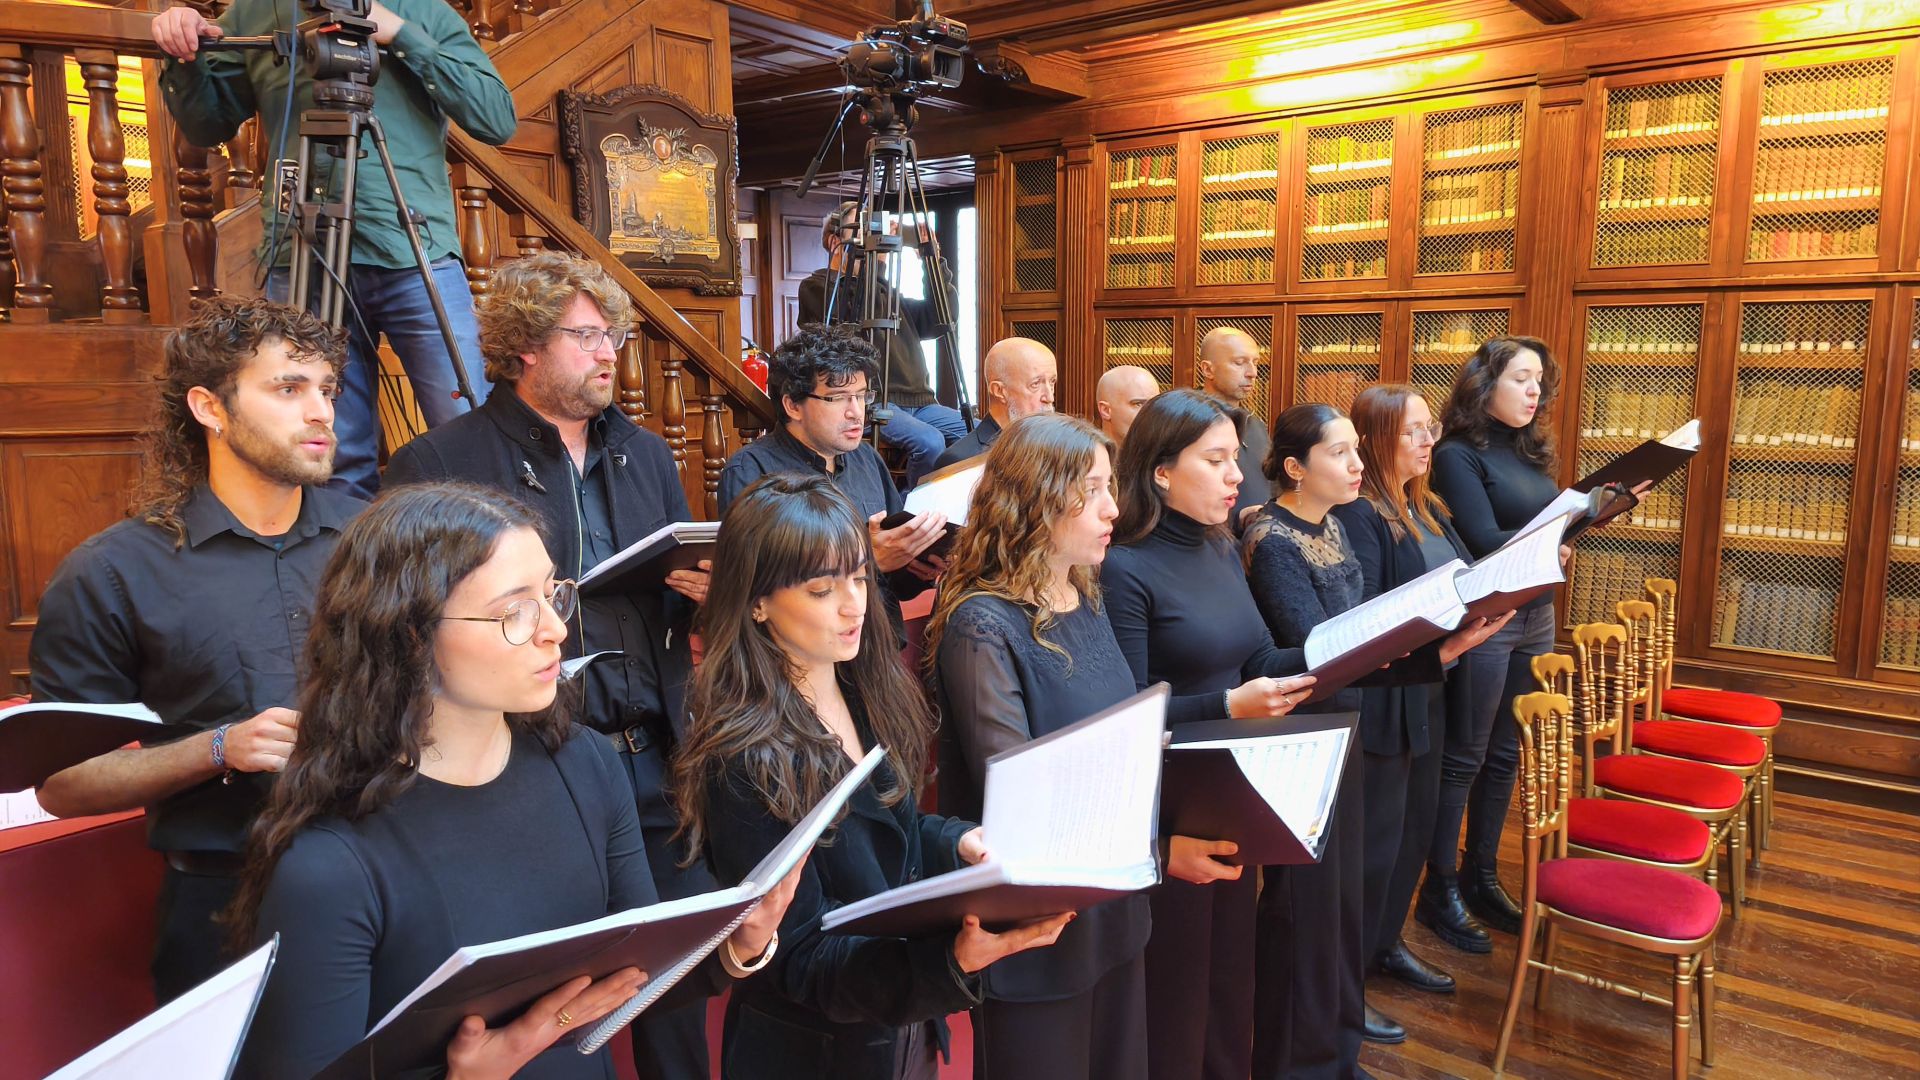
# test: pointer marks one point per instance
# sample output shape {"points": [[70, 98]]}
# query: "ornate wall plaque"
{"points": [[653, 178]]}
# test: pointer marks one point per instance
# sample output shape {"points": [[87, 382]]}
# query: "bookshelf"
{"points": [[1345, 213], [1469, 190], [1239, 209], [1144, 342], [1260, 329], [1044, 329], [1637, 382], [1143, 211], [1819, 161], [1336, 354], [1799, 370], [1036, 226], [1658, 167], [1900, 623], [1444, 340]]}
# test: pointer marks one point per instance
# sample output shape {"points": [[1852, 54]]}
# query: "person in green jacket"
{"points": [[431, 71]]}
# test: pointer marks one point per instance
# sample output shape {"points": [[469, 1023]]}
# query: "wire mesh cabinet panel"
{"points": [[1239, 182], [1143, 187], [1349, 196], [1046, 330], [1443, 341], [1260, 329], [1900, 626], [1795, 433], [1819, 161], [1659, 159], [1143, 342], [1469, 190], [1336, 354], [1637, 383], [1036, 226]]}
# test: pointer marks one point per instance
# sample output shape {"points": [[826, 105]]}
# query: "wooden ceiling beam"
{"points": [[1551, 12], [1054, 78]]}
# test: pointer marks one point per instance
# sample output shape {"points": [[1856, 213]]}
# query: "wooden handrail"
{"points": [[74, 26], [512, 186]]}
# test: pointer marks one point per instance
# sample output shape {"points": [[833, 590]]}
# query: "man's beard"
{"points": [[280, 462], [583, 400]]}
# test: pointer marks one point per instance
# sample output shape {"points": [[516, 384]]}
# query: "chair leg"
{"points": [[1739, 853], [1766, 798], [1682, 1015], [1549, 945], [1706, 1006], [1521, 950]]}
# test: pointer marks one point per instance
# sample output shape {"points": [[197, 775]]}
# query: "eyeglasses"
{"points": [[590, 338], [1419, 436], [840, 401], [522, 617]]}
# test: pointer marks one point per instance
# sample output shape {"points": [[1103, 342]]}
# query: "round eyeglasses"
{"points": [[866, 399], [522, 617], [590, 338], [1423, 435]]}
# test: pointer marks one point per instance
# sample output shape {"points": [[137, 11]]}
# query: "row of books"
{"points": [[1786, 506], [1650, 243], [1443, 255], [1353, 207], [1900, 632], [1797, 173], [1672, 114], [1609, 410], [1602, 577], [1142, 220], [1773, 615], [1336, 387], [1340, 336], [1224, 214], [1492, 195], [1153, 169], [1493, 132], [1234, 268], [1128, 354], [1639, 332], [1139, 275], [1256, 160], [1906, 523], [1660, 510], [1910, 435], [1334, 265], [1786, 329], [1457, 334], [1630, 181], [1774, 412], [1842, 97], [1861, 241], [1328, 156]]}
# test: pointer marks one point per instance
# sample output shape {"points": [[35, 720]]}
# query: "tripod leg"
{"points": [[939, 288]]}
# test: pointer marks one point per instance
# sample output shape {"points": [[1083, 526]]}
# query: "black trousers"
{"points": [[1403, 795], [668, 1044], [1310, 959], [189, 947], [1200, 980], [1100, 1034]]}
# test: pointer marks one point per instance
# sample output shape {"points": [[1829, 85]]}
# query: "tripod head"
{"points": [[888, 68], [335, 46]]}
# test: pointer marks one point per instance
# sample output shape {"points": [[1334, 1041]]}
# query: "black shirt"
{"points": [[1491, 490], [1302, 573], [1180, 609], [998, 689], [205, 633], [623, 621], [972, 444]]}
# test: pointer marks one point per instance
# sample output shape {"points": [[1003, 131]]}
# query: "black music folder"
{"points": [[1653, 460], [645, 563], [41, 738], [1069, 823], [1267, 785]]}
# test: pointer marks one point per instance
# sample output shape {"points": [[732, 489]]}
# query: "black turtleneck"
{"points": [[1180, 608], [1490, 490]]}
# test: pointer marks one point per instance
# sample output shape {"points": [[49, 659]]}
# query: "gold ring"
{"points": [[563, 1018]]}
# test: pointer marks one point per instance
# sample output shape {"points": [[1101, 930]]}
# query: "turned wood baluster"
{"points": [[673, 412], [631, 378], [26, 192], [196, 215], [244, 154], [713, 446], [485, 18], [471, 194], [100, 72], [6, 264], [528, 236]]}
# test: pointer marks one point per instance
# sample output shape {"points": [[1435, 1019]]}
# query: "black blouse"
{"points": [[1491, 490], [999, 688]]}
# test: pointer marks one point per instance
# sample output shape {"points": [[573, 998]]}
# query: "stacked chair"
{"points": [[1625, 902]]}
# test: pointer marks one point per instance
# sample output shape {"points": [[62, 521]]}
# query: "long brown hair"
{"points": [[1466, 413], [368, 675], [209, 350], [750, 723], [1165, 427], [1380, 415], [1031, 481]]}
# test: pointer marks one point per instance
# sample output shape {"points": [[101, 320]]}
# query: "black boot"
{"points": [[1480, 888], [1380, 1028], [1441, 910], [1400, 962]]}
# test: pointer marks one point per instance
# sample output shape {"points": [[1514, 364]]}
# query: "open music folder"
{"points": [[1267, 785], [41, 738], [1069, 823], [645, 563], [1653, 460], [196, 1036], [946, 491], [499, 980]]}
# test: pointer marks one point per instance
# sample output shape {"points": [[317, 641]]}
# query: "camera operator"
{"points": [[920, 424], [433, 71]]}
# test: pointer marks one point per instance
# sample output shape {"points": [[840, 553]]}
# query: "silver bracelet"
{"points": [[1226, 702], [730, 960]]}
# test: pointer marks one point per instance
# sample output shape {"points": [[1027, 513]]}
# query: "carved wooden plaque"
{"points": [[653, 178]]}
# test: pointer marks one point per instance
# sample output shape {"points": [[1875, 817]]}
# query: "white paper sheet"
{"points": [[949, 495], [194, 1037], [1431, 596], [1684, 437], [1527, 561], [1297, 774]]}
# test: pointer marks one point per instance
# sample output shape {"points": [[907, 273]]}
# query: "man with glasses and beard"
{"points": [[551, 329], [198, 604]]}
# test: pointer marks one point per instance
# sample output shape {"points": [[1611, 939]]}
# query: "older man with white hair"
{"points": [[1021, 377]]}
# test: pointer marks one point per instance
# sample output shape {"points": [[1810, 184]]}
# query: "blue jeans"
{"points": [[394, 303], [924, 430]]}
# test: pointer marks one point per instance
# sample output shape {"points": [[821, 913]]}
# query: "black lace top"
{"points": [[1301, 574]]}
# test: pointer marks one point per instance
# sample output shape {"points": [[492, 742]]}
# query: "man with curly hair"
{"points": [[198, 603]]}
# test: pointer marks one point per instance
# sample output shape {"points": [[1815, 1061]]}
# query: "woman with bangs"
{"points": [[792, 692], [1019, 647]]}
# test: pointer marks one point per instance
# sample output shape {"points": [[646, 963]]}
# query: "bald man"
{"points": [[1229, 364], [1118, 398], [1021, 377]]}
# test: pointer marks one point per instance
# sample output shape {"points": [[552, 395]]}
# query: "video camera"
{"points": [[925, 52], [335, 46]]}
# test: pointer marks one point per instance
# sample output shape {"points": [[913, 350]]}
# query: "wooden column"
{"points": [[713, 446], [196, 215], [991, 218], [673, 410], [471, 194], [26, 193], [631, 379], [1080, 362], [1559, 145], [107, 145]]}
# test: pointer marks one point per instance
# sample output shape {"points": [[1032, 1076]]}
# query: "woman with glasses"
{"points": [[436, 798], [1494, 468], [795, 689]]}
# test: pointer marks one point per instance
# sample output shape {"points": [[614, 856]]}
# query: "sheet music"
{"points": [[1297, 774], [682, 532], [571, 669], [1684, 437], [1082, 798], [1528, 560], [950, 494], [1431, 596], [21, 808], [1575, 504], [193, 1037]]}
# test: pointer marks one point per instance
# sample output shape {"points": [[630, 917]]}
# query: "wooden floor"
{"points": [[1819, 976]]}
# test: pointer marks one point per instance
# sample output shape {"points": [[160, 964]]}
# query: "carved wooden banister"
{"points": [[100, 70], [26, 189]]}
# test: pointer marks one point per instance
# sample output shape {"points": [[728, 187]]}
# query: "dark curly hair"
{"points": [[1466, 415], [209, 350], [835, 353]]}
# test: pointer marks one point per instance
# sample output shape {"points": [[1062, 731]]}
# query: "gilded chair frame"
{"points": [[1546, 723]]}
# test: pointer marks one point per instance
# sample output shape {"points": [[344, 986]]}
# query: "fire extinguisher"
{"points": [[754, 363]]}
